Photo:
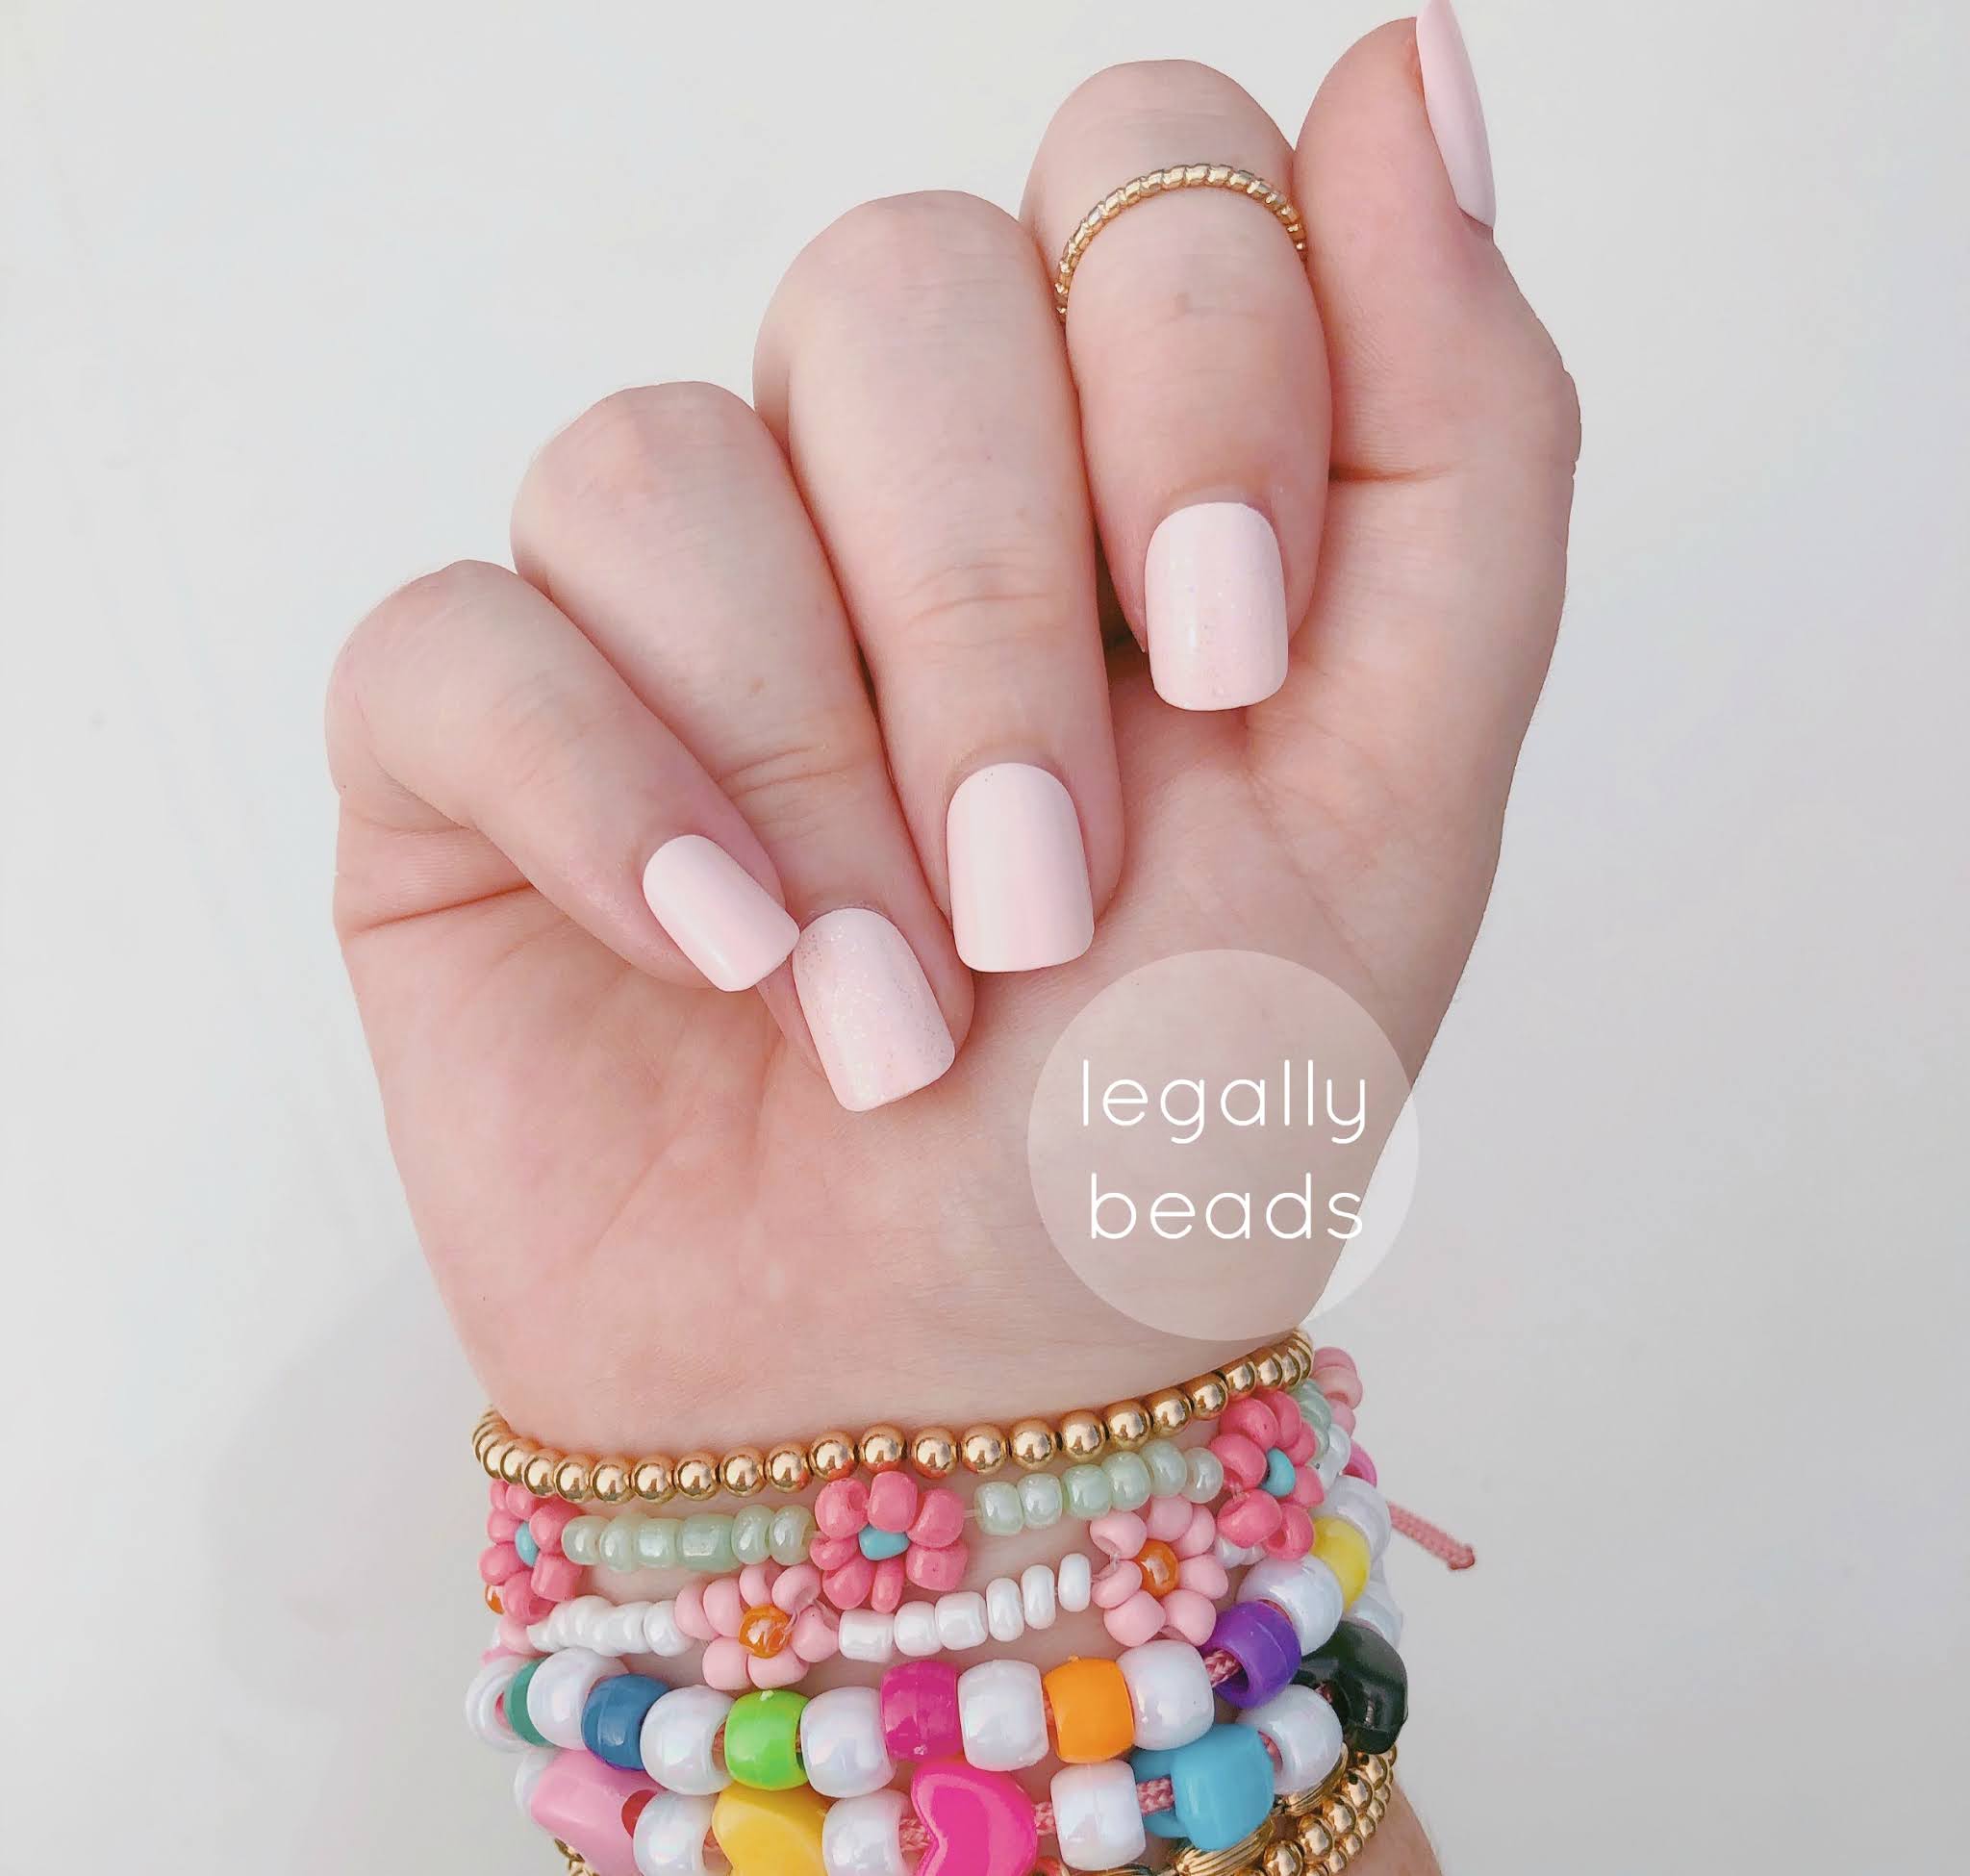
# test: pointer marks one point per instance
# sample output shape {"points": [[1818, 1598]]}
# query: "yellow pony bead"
{"points": [[771, 1832], [1344, 1550]]}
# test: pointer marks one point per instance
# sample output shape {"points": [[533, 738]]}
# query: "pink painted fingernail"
{"points": [[1019, 899], [1216, 600], [1457, 113], [876, 1026], [719, 915]]}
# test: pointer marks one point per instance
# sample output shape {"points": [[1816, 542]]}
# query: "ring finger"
{"points": [[1196, 351], [911, 366]]}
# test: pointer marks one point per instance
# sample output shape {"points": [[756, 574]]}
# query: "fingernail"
{"points": [[1019, 881], [1457, 113], [719, 915], [876, 1026], [1216, 600]]}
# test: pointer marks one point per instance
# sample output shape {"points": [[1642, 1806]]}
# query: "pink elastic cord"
{"points": [[1439, 1543]]}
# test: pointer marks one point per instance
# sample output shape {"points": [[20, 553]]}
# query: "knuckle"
{"points": [[987, 603], [636, 446], [1159, 95], [935, 237], [788, 790]]}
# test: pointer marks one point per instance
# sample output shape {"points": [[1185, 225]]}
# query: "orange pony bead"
{"points": [[1093, 1716]]}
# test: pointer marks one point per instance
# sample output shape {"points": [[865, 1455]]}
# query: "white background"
{"points": [[1675, 1336]]}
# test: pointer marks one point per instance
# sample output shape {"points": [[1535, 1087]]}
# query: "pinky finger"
{"points": [[482, 743]]}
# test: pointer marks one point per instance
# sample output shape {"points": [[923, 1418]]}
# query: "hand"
{"points": [[654, 1221]]}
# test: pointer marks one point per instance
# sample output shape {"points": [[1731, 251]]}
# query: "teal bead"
{"points": [[1041, 1500], [1221, 1784], [1088, 1495], [1204, 1474], [515, 1705], [705, 1543], [752, 1533], [581, 1540], [656, 1543], [618, 1542], [997, 1507], [1128, 1481], [1167, 1470], [528, 1545], [792, 1533], [1279, 1472], [876, 1545]]}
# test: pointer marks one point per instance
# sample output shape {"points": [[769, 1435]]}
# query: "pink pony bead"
{"points": [[1360, 1466]]}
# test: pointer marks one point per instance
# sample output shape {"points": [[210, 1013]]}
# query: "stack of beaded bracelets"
{"points": [[642, 1778]]}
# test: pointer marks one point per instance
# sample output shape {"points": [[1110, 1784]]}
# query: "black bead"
{"points": [[1367, 1682]]}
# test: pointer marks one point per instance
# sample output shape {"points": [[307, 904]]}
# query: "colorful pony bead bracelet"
{"points": [[935, 1452]]}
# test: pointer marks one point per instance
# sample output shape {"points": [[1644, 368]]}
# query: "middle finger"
{"points": [[912, 367]]}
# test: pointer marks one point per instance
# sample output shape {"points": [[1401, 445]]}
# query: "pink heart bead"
{"points": [[579, 1799], [980, 1823]]}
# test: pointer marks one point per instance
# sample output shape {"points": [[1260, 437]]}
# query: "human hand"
{"points": [[639, 1193]]}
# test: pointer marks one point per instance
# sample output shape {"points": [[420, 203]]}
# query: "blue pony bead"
{"points": [[1221, 1784], [613, 1715]]}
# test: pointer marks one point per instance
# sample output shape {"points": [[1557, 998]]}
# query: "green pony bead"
{"points": [[705, 1543], [763, 1739], [791, 1535], [752, 1533], [1128, 1481], [656, 1543], [1167, 1470], [515, 1703], [999, 1512], [619, 1543], [1041, 1500], [1088, 1493], [581, 1540]]}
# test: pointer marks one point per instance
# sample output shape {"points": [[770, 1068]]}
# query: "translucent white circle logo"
{"points": [[1218, 1136]]}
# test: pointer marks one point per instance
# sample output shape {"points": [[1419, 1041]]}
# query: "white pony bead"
{"points": [[482, 1703], [1170, 1690], [1096, 1817], [1306, 1731], [866, 1637], [661, 1634], [1307, 1591], [1003, 1715], [678, 1736], [528, 1773], [670, 1835], [841, 1744], [1364, 1508], [862, 1837], [560, 1690], [1376, 1608]]}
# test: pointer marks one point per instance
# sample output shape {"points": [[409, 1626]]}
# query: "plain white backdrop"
{"points": [[1675, 1337]]}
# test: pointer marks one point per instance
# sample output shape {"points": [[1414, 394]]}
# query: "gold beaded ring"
{"points": [[1163, 182], [934, 1452]]}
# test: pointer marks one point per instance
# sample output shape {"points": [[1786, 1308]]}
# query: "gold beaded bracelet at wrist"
{"points": [[935, 1452], [1314, 1832]]}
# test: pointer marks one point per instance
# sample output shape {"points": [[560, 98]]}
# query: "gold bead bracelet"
{"points": [[934, 1452]]}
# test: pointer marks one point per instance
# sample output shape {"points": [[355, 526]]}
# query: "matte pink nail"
{"points": [[1019, 899], [1457, 113], [1216, 600], [719, 915], [875, 1020]]}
